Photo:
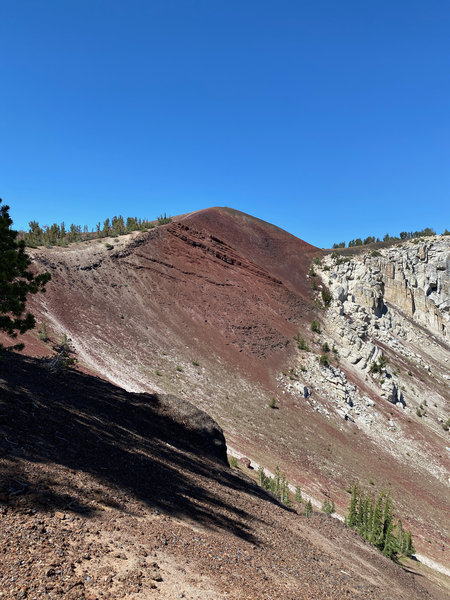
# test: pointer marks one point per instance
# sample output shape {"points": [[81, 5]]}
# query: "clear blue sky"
{"points": [[329, 118]]}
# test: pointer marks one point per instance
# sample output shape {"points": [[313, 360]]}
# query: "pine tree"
{"points": [[16, 281], [352, 514], [390, 543], [368, 515], [298, 494], [308, 509], [409, 548]]}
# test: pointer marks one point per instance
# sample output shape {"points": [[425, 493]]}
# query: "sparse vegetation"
{"points": [[315, 327], [164, 219], [43, 336], [308, 509], [324, 360], [277, 484], [378, 366], [326, 297], [328, 506], [301, 344], [403, 236], [59, 235]]}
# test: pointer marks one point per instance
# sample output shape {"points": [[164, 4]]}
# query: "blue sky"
{"points": [[330, 119]]}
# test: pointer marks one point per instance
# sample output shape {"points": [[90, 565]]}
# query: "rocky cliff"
{"points": [[389, 319]]}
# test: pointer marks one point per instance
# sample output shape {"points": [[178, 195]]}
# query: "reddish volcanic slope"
{"points": [[218, 281], [206, 308]]}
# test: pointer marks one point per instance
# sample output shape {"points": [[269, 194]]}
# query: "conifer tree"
{"points": [[352, 512], [376, 537], [308, 509], [408, 545], [389, 544], [16, 281]]}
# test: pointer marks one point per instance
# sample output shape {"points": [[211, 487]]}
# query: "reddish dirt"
{"points": [[206, 308], [106, 494]]}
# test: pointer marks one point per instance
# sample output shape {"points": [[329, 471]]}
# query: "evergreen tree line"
{"points": [[374, 520], [404, 235], [60, 235], [278, 485]]}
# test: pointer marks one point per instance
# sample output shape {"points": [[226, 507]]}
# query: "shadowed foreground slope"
{"points": [[108, 494]]}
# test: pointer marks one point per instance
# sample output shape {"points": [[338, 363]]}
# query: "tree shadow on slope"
{"points": [[159, 449]]}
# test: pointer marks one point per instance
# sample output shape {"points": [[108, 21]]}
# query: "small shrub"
{"points": [[311, 272], [317, 261], [410, 373], [419, 413], [324, 360], [272, 403], [43, 333], [326, 297], [375, 254], [308, 509], [302, 345], [325, 347], [446, 425], [376, 367], [179, 369], [233, 461], [109, 246], [314, 285], [158, 373], [195, 363], [328, 506], [315, 327], [64, 342]]}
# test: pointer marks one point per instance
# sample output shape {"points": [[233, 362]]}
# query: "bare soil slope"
{"points": [[206, 308], [108, 494]]}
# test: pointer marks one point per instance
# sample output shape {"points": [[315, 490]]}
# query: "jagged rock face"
{"points": [[389, 321], [415, 278], [379, 296]]}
